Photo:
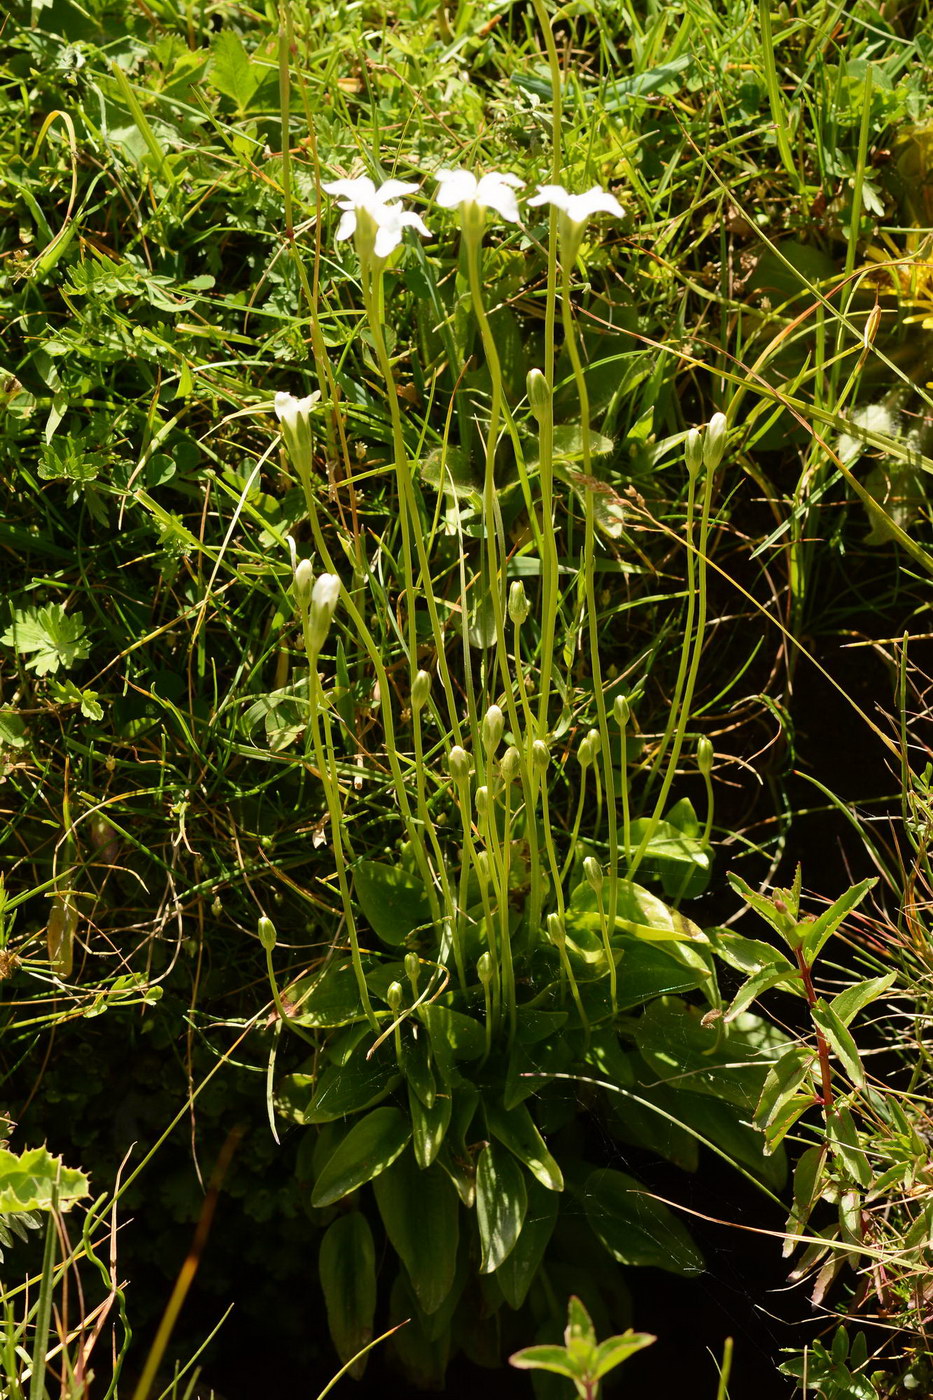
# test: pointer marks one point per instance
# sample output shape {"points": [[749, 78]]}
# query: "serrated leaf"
{"points": [[369, 1148], [501, 1202], [547, 1358], [759, 982], [49, 637], [231, 71], [614, 1350], [847, 1004], [816, 933], [782, 1081], [35, 1180]]}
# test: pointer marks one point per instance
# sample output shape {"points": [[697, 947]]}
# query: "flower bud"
{"points": [[321, 609], [484, 968], [493, 725], [481, 866], [304, 582], [458, 764], [539, 394], [510, 764], [294, 415], [482, 801], [593, 872], [693, 451], [519, 607], [585, 752], [540, 756], [394, 996], [714, 443], [705, 756], [420, 690], [267, 933], [621, 710], [596, 742], [413, 970], [555, 930]]}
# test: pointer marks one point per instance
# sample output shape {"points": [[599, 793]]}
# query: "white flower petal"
{"points": [[394, 189], [579, 207], [390, 222], [357, 192], [551, 194], [347, 226], [496, 191], [455, 187]]}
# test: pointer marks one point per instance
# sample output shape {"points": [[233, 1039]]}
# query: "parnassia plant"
{"points": [[493, 956]]}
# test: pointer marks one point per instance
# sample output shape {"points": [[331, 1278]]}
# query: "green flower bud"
{"points": [[585, 752], [714, 443], [519, 607], [621, 711], [540, 756], [705, 756], [420, 690], [555, 930], [458, 764], [267, 934], [693, 451], [539, 394], [484, 968], [413, 970], [482, 801], [394, 995], [596, 742], [510, 764], [492, 727], [593, 872]]}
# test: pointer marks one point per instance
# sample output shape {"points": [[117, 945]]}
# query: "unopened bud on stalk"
{"points": [[593, 872], [420, 690], [510, 764], [596, 742], [540, 756], [693, 451], [482, 801], [481, 866], [458, 764], [321, 609], [555, 930], [493, 725], [413, 970], [267, 933], [714, 443], [394, 995], [621, 711], [304, 582], [519, 607], [585, 752], [705, 756], [539, 395], [484, 968]]}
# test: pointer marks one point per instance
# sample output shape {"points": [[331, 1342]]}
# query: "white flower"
{"points": [[294, 414], [289, 410], [579, 207], [368, 213], [493, 191], [324, 596]]}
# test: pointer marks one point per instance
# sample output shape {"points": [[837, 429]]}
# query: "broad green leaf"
{"points": [[13, 734], [331, 998], [347, 1266], [518, 1271], [724, 1126], [428, 1125], [782, 1081], [349, 1088], [501, 1202], [35, 1180], [640, 914], [816, 933], [453, 1035], [808, 1183], [394, 902], [841, 1040], [369, 1147], [548, 1358], [681, 862], [635, 1228], [847, 1004], [759, 982], [791, 1108], [515, 1128], [614, 1350], [414, 1063], [683, 1051], [421, 1215], [845, 1140]]}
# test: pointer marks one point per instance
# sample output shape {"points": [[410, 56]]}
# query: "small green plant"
{"points": [[582, 1359]]}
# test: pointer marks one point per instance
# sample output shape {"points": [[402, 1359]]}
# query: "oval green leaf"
{"points": [[369, 1148]]}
